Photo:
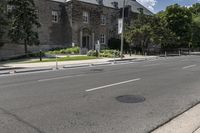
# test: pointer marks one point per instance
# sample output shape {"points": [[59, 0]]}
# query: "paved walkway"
{"points": [[63, 63]]}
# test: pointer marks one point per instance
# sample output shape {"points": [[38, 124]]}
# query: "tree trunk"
{"points": [[25, 48]]}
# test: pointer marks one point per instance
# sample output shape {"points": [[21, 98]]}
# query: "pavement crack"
{"points": [[21, 120]]}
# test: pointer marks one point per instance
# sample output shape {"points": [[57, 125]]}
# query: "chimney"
{"points": [[115, 4], [100, 2]]}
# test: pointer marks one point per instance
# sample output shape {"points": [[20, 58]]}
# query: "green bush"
{"points": [[36, 54], [92, 53], [74, 50], [53, 52], [105, 53]]}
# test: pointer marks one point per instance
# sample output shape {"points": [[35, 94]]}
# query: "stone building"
{"points": [[67, 23]]}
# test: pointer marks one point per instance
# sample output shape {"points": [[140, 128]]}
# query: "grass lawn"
{"points": [[75, 58]]}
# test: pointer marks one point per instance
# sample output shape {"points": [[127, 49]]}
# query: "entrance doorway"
{"points": [[86, 42]]}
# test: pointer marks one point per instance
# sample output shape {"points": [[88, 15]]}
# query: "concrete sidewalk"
{"points": [[63, 63], [188, 122]]}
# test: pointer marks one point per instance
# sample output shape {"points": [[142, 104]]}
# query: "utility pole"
{"points": [[122, 35]]}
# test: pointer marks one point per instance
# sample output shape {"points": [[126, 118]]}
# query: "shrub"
{"points": [[36, 54], [92, 53], [74, 50], [105, 53]]}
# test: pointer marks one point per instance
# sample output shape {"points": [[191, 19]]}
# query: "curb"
{"points": [[120, 60], [197, 131], [5, 72], [187, 121], [11, 68], [33, 70], [76, 66]]}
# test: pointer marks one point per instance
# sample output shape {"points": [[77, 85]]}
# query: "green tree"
{"points": [[196, 32], [140, 32], [3, 21], [162, 35], [195, 9], [24, 22], [179, 20]]}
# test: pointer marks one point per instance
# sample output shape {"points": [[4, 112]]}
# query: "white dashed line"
{"points": [[186, 67], [114, 84]]}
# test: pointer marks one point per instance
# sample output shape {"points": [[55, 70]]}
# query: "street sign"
{"points": [[120, 21], [97, 46]]}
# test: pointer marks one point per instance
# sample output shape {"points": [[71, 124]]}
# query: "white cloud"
{"points": [[148, 3]]}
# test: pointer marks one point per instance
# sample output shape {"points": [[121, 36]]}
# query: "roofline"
{"points": [[144, 7], [100, 5]]}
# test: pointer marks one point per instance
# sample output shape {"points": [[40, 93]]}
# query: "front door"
{"points": [[86, 42]]}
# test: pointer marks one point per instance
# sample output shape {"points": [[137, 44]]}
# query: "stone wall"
{"points": [[53, 33], [68, 29], [94, 26]]}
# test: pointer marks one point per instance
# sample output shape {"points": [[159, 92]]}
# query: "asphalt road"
{"points": [[84, 100]]}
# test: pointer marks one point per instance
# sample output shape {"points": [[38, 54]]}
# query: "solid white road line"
{"points": [[186, 67], [110, 85], [56, 78]]}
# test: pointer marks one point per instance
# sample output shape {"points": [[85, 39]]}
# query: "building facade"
{"points": [[68, 23]]}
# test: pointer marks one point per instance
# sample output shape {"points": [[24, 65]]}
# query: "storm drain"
{"points": [[130, 99]]}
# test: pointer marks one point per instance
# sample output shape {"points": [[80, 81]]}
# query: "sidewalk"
{"points": [[188, 122], [63, 63]]}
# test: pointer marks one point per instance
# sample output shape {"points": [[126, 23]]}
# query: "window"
{"points": [[54, 16], [102, 39], [103, 19], [85, 17], [10, 8]]}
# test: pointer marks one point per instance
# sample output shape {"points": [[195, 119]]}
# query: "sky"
{"points": [[159, 5]]}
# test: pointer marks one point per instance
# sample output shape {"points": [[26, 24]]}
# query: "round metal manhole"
{"points": [[130, 99]]}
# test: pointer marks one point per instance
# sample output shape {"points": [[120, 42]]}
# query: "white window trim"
{"points": [[10, 8], [85, 15], [104, 39], [55, 16], [103, 19]]}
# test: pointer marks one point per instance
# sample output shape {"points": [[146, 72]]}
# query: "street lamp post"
{"points": [[122, 35]]}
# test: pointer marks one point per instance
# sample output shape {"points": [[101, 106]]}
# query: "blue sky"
{"points": [[158, 5]]}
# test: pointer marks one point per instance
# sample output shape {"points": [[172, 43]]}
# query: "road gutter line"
{"points": [[190, 66], [57, 78], [114, 84]]}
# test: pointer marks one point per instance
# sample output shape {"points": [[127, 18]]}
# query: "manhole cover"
{"points": [[130, 99]]}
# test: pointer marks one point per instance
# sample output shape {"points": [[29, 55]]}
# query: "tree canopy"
{"points": [[176, 27], [24, 22], [3, 21]]}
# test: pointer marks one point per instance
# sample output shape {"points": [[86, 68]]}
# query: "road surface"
{"points": [[84, 100]]}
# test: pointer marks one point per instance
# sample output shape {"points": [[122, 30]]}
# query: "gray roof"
{"points": [[133, 3], [108, 3]]}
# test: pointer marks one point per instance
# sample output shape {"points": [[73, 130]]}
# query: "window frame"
{"points": [[85, 17], [103, 19], [55, 16], [102, 39], [9, 8]]}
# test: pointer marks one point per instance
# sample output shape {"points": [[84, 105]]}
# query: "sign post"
{"points": [[97, 48], [121, 29]]}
